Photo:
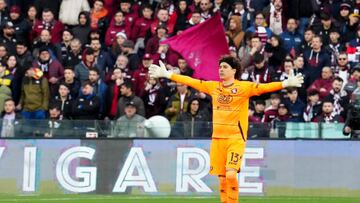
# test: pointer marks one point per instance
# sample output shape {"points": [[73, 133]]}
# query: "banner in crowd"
{"points": [[176, 167], [202, 46]]}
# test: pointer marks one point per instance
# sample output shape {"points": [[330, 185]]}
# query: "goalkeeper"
{"points": [[230, 103]]}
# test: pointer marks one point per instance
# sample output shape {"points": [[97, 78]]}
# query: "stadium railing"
{"points": [[108, 129]]}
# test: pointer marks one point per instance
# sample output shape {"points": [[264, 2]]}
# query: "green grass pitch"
{"points": [[167, 199]]}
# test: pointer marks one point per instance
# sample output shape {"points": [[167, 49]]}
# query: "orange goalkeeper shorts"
{"points": [[225, 154]]}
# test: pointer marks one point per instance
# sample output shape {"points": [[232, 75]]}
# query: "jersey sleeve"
{"points": [[256, 89], [202, 86]]}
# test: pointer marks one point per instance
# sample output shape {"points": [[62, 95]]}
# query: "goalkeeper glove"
{"points": [[156, 71], [293, 80]]}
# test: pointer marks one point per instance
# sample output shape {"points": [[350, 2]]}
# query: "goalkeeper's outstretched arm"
{"points": [[156, 71]]}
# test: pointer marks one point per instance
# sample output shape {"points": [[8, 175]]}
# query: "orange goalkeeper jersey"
{"points": [[230, 104]]}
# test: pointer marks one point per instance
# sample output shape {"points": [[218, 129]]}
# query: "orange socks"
{"points": [[222, 189], [232, 187]]}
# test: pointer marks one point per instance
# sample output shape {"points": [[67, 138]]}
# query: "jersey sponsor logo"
{"points": [[225, 99]]}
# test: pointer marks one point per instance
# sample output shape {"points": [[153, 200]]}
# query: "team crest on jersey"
{"points": [[234, 91]]}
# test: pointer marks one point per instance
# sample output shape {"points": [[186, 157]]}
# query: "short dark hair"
{"points": [[291, 89], [128, 84], [86, 82], [47, 10], [95, 70], [234, 63], [8, 99], [338, 79], [258, 57]]}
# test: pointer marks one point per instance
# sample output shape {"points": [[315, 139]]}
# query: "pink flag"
{"points": [[202, 46]]}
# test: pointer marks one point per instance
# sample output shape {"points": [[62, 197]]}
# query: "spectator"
{"points": [[206, 9], [44, 41], [122, 62], [74, 55], [4, 12], [302, 11], [16, 74], [163, 21], [335, 46], [23, 56], [64, 46], [306, 43], [261, 72], [338, 97], [51, 68], [63, 102], [279, 121], [127, 95], [130, 124], [140, 76], [350, 27], [116, 47], [246, 55], [353, 79], [82, 30], [291, 37], [294, 105], [102, 60], [98, 15], [130, 14], [128, 50], [141, 26], [180, 16], [258, 113], [178, 102], [71, 82], [272, 111], [323, 84], [53, 6], [99, 89], [87, 105], [166, 55], [31, 17], [235, 31], [277, 18], [342, 69], [48, 23], [313, 106], [9, 117], [117, 24], [328, 115], [315, 60], [22, 28], [70, 10], [275, 49], [34, 100], [152, 45], [260, 29], [154, 98], [192, 123], [184, 68], [113, 92], [8, 37], [223, 7], [323, 30], [82, 69], [57, 126], [196, 18], [288, 66]]}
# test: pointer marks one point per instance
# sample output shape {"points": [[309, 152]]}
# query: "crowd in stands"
{"points": [[89, 59]]}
